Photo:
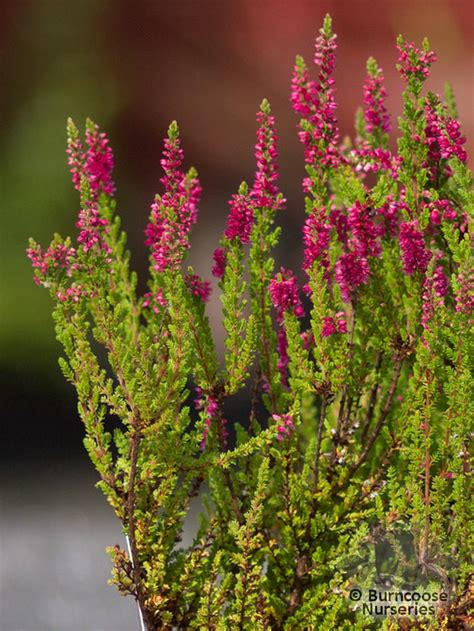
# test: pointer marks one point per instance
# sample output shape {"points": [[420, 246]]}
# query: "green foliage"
{"points": [[352, 466]]}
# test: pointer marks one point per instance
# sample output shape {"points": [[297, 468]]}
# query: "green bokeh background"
{"points": [[56, 73]]}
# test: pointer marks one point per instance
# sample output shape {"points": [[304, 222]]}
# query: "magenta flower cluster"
{"points": [[92, 167], [219, 257], [199, 288], [441, 210], [209, 404], [92, 227], [364, 232], [240, 219], [351, 271], [414, 63], [333, 325], [304, 93], [443, 138], [58, 256], [174, 213], [415, 255], [95, 163], [154, 300], [435, 287], [315, 102], [73, 293], [464, 295], [99, 162], [316, 237], [368, 156], [352, 268], [284, 293], [360, 229], [263, 194], [375, 112], [285, 425]]}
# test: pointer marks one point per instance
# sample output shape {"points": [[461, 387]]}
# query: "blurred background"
{"points": [[134, 67]]}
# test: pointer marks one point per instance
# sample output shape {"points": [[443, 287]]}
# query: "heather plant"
{"points": [[351, 468]]}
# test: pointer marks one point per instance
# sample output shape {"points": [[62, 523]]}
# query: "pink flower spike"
{"points": [[95, 162], [285, 427], [172, 161], [316, 237], [99, 161], [284, 294], [308, 339], [264, 192], [375, 112], [341, 322], [283, 359], [413, 62], [155, 301], [464, 294], [328, 327], [440, 282], [75, 153], [364, 232], [218, 268], [316, 103], [415, 256], [304, 95], [240, 220], [92, 228], [199, 288], [57, 257], [325, 56], [442, 137], [175, 212], [435, 287], [351, 271], [72, 294]]}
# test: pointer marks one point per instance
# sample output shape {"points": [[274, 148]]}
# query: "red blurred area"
{"points": [[208, 63]]}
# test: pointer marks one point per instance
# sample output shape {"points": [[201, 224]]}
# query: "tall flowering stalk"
{"points": [[175, 212], [315, 102], [351, 468], [375, 112]]}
